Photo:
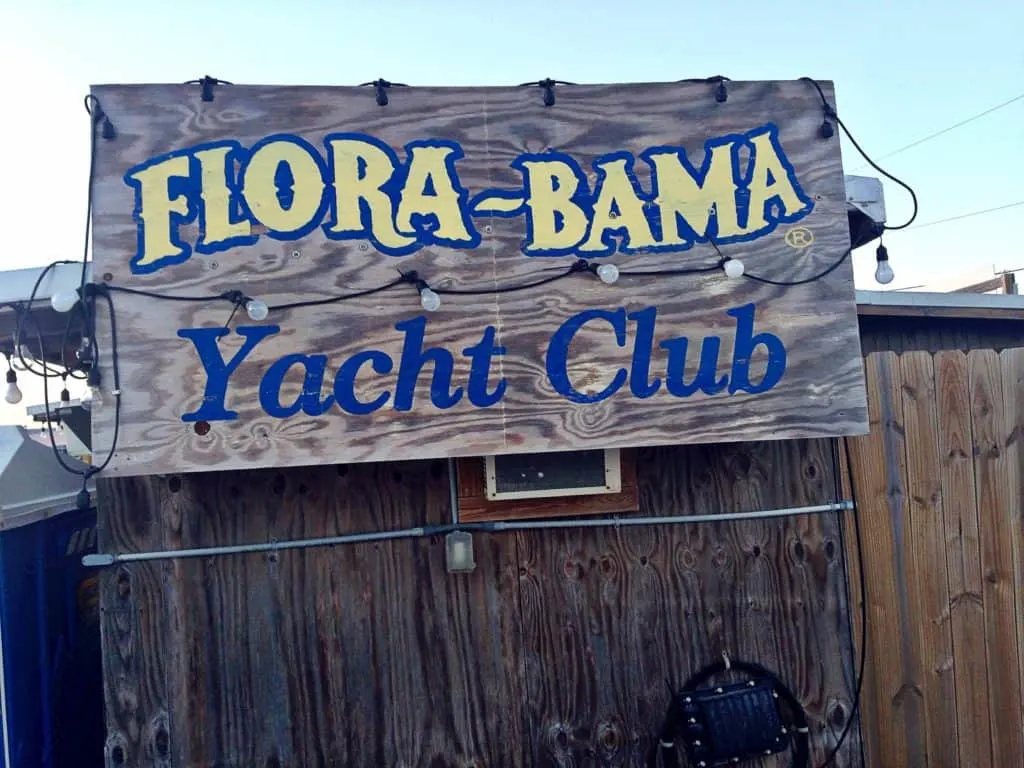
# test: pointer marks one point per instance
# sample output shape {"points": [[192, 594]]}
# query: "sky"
{"points": [[903, 70]]}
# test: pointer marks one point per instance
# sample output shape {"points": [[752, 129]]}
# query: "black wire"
{"points": [[862, 663], [335, 299], [95, 111], [49, 419], [116, 390], [830, 112], [511, 288], [168, 296], [814, 278]]}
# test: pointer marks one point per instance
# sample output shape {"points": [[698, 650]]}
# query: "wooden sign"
{"points": [[304, 275]]}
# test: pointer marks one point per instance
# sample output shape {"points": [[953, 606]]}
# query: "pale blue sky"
{"points": [[903, 69]]}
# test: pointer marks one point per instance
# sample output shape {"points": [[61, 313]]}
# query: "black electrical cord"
{"points": [[830, 113], [858, 540]]}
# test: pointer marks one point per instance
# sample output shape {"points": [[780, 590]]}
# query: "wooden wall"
{"points": [[555, 651], [940, 494]]}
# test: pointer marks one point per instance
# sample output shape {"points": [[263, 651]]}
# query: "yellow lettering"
{"points": [[430, 164], [617, 192], [283, 186], [217, 224], [154, 208], [351, 188], [770, 180], [550, 185], [680, 194]]}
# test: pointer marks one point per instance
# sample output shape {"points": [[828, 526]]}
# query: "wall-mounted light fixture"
{"points": [[458, 547]]}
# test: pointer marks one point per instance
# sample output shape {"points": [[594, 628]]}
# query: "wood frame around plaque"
{"points": [[474, 506]]}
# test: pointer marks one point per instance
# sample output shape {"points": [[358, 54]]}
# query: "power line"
{"points": [[968, 215], [947, 129]]}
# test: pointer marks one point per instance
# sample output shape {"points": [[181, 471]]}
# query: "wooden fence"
{"points": [[938, 482]]}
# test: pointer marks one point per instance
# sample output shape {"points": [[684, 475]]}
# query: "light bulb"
{"points": [[733, 268], [608, 273], [883, 272], [64, 301], [429, 300], [13, 394], [256, 309]]}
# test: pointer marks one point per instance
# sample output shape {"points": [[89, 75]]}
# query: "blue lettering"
{"points": [[480, 371], [556, 358], [705, 380], [640, 382], [746, 343], [308, 401], [414, 357], [345, 382], [217, 371]]}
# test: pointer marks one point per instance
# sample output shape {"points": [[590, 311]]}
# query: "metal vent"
{"points": [[550, 475]]}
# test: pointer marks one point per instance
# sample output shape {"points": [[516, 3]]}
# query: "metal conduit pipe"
{"points": [[104, 559]]}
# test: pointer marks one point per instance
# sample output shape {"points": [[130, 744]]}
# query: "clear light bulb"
{"points": [[733, 268], [429, 300], [64, 301], [608, 273], [256, 309], [883, 272]]}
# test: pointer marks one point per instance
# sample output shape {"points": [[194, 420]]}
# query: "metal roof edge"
{"points": [[927, 304]]}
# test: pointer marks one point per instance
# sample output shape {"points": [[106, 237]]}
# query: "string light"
{"points": [[733, 268], [429, 300], [608, 273], [13, 394], [883, 272], [256, 310], [64, 301]]}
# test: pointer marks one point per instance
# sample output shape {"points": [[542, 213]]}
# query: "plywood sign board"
{"points": [[297, 194]]}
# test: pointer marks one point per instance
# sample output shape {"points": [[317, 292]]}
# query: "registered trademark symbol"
{"points": [[799, 237]]}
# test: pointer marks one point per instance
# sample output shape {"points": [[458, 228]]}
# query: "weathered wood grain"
{"points": [[989, 440], [367, 654], [136, 636], [879, 466], [930, 629], [474, 506], [963, 559], [822, 392], [554, 651], [608, 615], [1012, 365]]}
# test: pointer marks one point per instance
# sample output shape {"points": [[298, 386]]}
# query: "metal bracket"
{"points": [[206, 84]]}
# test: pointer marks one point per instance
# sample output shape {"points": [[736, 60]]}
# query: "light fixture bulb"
{"points": [[883, 272], [13, 394], [64, 301], [256, 309], [608, 273], [429, 300], [733, 268]]}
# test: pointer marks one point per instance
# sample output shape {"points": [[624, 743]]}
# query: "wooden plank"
{"points": [[992, 491], [879, 466], [868, 722], [557, 396], [1012, 364], [135, 631], [474, 506], [963, 559], [925, 544], [609, 615], [361, 655]]}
